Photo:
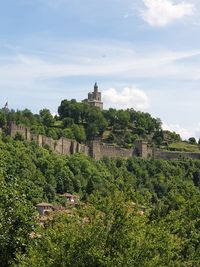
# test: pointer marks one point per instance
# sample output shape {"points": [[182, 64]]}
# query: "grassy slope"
{"points": [[183, 146]]}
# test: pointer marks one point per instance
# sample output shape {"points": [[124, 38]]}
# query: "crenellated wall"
{"points": [[59, 146], [49, 142], [172, 155], [112, 151], [24, 131], [62, 146], [142, 149], [96, 149]]}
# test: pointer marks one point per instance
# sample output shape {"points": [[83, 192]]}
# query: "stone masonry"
{"points": [[96, 149], [94, 98]]}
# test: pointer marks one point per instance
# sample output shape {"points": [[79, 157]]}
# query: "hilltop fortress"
{"points": [[96, 148]]}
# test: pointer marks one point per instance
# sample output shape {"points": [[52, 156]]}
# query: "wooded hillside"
{"points": [[133, 212], [82, 122]]}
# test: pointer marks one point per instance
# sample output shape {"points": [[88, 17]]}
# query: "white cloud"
{"points": [[159, 13], [126, 98], [185, 133], [95, 59]]}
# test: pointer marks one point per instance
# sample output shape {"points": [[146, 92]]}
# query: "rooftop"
{"points": [[43, 204]]}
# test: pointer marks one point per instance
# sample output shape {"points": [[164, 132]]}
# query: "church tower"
{"points": [[94, 98]]}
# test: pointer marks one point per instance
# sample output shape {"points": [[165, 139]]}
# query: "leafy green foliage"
{"points": [[82, 122], [134, 212], [110, 231], [17, 220], [192, 141], [46, 117]]}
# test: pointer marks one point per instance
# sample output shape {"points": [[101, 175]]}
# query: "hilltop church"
{"points": [[94, 98]]}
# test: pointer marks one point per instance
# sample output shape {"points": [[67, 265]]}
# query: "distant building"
{"points": [[70, 198], [94, 98], [44, 208]]}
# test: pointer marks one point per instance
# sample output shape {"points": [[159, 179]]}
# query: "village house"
{"points": [[44, 208], [69, 198]]}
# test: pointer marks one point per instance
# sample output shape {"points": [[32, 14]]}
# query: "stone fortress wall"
{"points": [[96, 149], [172, 155], [66, 146], [62, 146]]}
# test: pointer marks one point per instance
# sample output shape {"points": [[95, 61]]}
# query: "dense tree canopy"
{"points": [[132, 212], [135, 213]]}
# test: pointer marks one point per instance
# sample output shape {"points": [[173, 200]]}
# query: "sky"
{"points": [[144, 54]]}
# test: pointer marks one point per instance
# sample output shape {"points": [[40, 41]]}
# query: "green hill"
{"points": [[79, 121], [133, 212]]}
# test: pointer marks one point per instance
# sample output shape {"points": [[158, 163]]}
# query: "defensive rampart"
{"points": [[62, 146], [96, 149], [172, 155], [99, 150]]}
